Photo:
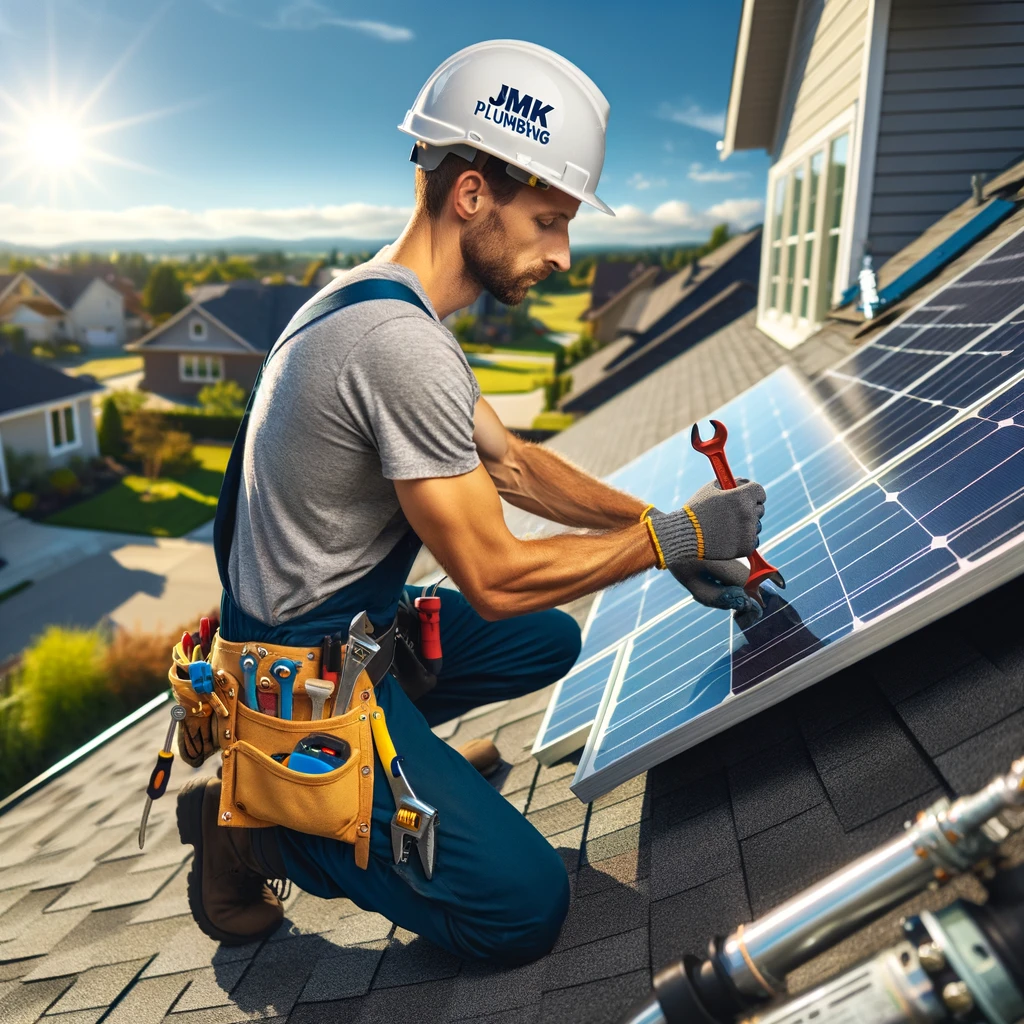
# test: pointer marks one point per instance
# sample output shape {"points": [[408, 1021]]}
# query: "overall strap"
{"points": [[349, 295]]}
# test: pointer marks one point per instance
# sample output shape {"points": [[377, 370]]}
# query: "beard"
{"points": [[489, 262]]}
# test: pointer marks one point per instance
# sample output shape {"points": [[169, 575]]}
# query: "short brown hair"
{"points": [[434, 187]]}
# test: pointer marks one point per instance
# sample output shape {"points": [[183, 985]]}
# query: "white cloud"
{"points": [[640, 183], [672, 221], [44, 226], [691, 114], [305, 15], [698, 172]]}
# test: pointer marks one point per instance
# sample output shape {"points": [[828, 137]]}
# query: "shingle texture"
{"points": [[26, 382], [92, 926]]}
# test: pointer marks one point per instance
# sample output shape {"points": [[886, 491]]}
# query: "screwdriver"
{"points": [[161, 772]]}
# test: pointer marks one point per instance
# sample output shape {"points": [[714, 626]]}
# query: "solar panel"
{"points": [[938, 488]]}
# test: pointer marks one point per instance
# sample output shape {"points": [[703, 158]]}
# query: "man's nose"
{"points": [[559, 259]]}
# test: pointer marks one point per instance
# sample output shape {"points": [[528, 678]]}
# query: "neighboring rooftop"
{"points": [[26, 383]]}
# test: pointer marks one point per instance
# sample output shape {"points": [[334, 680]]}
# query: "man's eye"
{"points": [[546, 223]]}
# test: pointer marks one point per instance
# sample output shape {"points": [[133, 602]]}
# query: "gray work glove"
{"points": [[719, 584], [728, 522]]}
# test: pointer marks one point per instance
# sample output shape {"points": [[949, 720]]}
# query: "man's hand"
{"points": [[714, 524], [719, 584]]}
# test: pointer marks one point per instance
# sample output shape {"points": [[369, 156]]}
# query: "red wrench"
{"points": [[714, 449]]}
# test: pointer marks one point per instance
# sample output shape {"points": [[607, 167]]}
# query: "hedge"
{"points": [[202, 426]]}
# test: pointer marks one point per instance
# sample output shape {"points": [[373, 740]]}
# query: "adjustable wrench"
{"points": [[714, 449], [414, 820], [358, 652]]}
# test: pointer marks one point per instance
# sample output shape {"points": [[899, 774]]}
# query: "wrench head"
{"points": [[414, 822], [715, 443]]}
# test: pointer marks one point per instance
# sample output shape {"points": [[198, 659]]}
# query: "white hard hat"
{"points": [[521, 103]]}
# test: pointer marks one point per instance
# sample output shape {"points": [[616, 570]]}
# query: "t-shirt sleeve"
{"points": [[412, 394]]}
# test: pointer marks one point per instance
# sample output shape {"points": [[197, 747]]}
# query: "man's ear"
{"points": [[469, 189]]}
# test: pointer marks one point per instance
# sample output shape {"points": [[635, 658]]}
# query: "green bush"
{"points": [[64, 481], [110, 432], [24, 501], [62, 685], [225, 398], [127, 401], [200, 425], [13, 338], [26, 471]]}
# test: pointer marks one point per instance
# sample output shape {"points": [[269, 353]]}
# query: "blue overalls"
{"points": [[499, 890]]}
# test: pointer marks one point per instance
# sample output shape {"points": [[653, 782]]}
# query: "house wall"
{"points": [[99, 307], [29, 434], [824, 76], [952, 106], [160, 372]]}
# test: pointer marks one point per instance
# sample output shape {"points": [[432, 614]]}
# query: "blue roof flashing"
{"points": [[914, 276]]}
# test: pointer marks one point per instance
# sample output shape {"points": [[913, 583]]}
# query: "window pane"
{"points": [[805, 284], [831, 256], [798, 194], [215, 368], [69, 424], [790, 274], [186, 366], [55, 428], [817, 163], [200, 367], [837, 179], [777, 208]]}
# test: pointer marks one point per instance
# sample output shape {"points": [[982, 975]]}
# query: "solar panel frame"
{"points": [[978, 577]]}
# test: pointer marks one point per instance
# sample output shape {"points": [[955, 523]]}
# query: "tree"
{"points": [[12, 338], [332, 259], [314, 268], [719, 236], [237, 269], [210, 275], [153, 445], [110, 432], [225, 398], [163, 294]]}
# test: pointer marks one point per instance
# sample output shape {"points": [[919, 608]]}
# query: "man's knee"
{"points": [[529, 924], [563, 636]]}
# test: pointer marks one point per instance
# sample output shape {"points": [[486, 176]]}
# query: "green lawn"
{"points": [[102, 369], [560, 312], [513, 378], [176, 506]]}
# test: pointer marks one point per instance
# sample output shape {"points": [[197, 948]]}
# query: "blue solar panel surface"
{"points": [[935, 490]]}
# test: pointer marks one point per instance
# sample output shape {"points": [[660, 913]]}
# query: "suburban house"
{"points": [[876, 115], [88, 306], [666, 320], [43, 412], [224, 333], [618, 293]]}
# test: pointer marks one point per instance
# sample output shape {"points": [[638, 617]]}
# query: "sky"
{"points": [[203, 119]]}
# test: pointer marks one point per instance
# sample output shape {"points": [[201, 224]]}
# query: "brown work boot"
{"points": [[483, 755], [227, 890]]}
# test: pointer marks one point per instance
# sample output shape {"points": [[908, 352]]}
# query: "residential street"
{"points": [[140, 583]]}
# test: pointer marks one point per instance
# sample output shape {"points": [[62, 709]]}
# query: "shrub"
{"points": [[128, 402], [26, 471], [62, 685], [64, 481], [153, 445], [13, 338], [24, 501], [225, 398], [552, 421], [110, 432]]}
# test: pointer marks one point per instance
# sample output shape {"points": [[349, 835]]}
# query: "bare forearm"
{"points": [[541, 481], [534, 575]]}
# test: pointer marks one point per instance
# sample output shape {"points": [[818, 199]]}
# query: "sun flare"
{"points": [[54, 143]]}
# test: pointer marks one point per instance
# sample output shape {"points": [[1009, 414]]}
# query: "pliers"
{"points": [[414, 820]]}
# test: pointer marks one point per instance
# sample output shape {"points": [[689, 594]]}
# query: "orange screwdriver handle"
{"points": [[714, 449]]}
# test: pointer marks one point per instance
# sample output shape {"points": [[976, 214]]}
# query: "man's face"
{"points": [[508, 249]]}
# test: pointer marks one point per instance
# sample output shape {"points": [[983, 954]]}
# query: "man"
{"points": [[367, 436]]}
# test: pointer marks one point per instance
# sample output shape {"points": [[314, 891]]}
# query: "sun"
{"points": [[54, 143]]}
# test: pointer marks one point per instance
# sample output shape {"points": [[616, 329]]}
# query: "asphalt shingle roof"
{"points": [[257, 312], [25, 382]]}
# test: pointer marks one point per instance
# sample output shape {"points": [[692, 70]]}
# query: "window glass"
{"points": [[813, 183], [794, 209], [837, 158], [215, 368], [200, 367], [787, 306], [778, 207], [778, 210], [55, 427], [69, 424]]}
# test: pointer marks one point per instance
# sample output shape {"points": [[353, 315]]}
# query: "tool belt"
{"points": [[258, 790]]}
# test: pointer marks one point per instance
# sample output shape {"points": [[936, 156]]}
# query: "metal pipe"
{"points": [[944, 841]]}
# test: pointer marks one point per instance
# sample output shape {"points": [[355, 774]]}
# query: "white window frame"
{"points": [[193, 334], [790, 329], [185, 358], [58, 446], [5, 483]]}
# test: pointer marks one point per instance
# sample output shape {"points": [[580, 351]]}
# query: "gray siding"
{"points": [[952, 105], [176, 337], [825, 70]]}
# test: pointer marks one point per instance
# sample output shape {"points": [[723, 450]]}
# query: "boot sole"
{"points": [[190, 832]]}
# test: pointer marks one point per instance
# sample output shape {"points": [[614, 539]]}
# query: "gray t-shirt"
{"points": [[376, 392]]}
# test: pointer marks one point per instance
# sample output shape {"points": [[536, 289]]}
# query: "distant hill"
{"points": [[237, 246]]}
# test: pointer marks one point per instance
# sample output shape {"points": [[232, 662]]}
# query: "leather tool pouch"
{"points": [[259, 791]]}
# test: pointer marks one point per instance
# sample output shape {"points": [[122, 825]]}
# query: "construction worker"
{"points": [[368, 435]]}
